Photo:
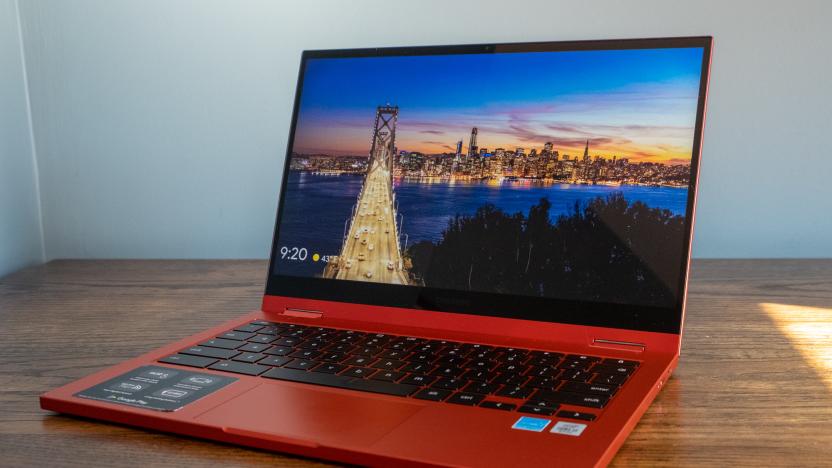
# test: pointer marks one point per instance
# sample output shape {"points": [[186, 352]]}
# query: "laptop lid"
{"points": [[552, 181]]}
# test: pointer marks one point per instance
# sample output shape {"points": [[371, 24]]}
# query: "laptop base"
{"points": [[373, 429]]}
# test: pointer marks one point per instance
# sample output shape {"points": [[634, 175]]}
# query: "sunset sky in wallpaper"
{"points": [[639, 104]]}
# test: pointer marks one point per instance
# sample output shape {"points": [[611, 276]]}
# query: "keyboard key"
{"points": [[427, 349], [481, 365], [301, 364], [422, 357], [536, 410], [418, 367], [576, 415], [332, 357], [481, 353], [515, 392], [433, 394], [359, 361], [253, 347], [545, 383], [450, 372], [498, 405], [249, 357], [345, 348], [286, 341], [217, 353], [190, 361], [613, 370], [351, 336], [578, 387], [275, 361], [367, 352], [417, 379], [388, 364], [262, 338], [406, 344], [263, 322], [393, 354], [582, 357], [479, 375], [311, 344], [464, 398], [546, 357], [576, 376], [542, 371], [449, 384], [359, 372], [298, 333], [460, 351], [576, 399], [451, 361], [376, 341], [277, 350], [568, 365], [619, 362], [329, 368], [544, 403], [270, 330], [222, 343], [510, 380], [239, 367], [388, 376], [250, 328], [513, 360], [305, 354], [236, 335], [512, 368], [483, 388], [340, 381], [607, 379]]}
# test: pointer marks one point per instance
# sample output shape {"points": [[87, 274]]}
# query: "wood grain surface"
{"points": [[754, 387]]}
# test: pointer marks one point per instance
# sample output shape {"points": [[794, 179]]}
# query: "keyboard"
{"points": [[494, 377]]}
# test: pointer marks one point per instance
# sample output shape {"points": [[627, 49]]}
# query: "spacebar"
{"points": [[340, 381]]}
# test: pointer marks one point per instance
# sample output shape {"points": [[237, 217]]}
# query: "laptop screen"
{"points": [[543, 173]]}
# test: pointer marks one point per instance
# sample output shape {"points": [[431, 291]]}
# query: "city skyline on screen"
{"points": [[638, 104]]}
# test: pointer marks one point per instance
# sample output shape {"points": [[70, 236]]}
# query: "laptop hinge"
{"points": [[620, 345], [304, 313]]}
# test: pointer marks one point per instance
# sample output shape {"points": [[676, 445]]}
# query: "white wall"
{"points": [[161, 126], [21, 243]]}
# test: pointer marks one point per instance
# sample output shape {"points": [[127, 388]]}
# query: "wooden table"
{"points": [[754, 386]]}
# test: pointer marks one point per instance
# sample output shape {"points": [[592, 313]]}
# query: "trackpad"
{"points": [[316, 416]]}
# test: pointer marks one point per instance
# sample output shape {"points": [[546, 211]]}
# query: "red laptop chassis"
{"points": [[445, 435], [379, 430]]}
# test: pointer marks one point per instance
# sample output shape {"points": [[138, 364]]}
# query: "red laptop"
{"points": [[480, 259]]}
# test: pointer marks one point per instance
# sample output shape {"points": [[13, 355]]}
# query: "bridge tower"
{"points": [[384, 137], [371, 249]]}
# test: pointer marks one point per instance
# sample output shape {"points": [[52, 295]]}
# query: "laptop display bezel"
{"points": [[544, 309]]}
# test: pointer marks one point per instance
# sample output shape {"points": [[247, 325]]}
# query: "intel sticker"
{"points": [[527, 423], [568, 428]]}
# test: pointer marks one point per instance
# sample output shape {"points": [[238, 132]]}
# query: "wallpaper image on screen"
{"points": [[551, 174]]}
